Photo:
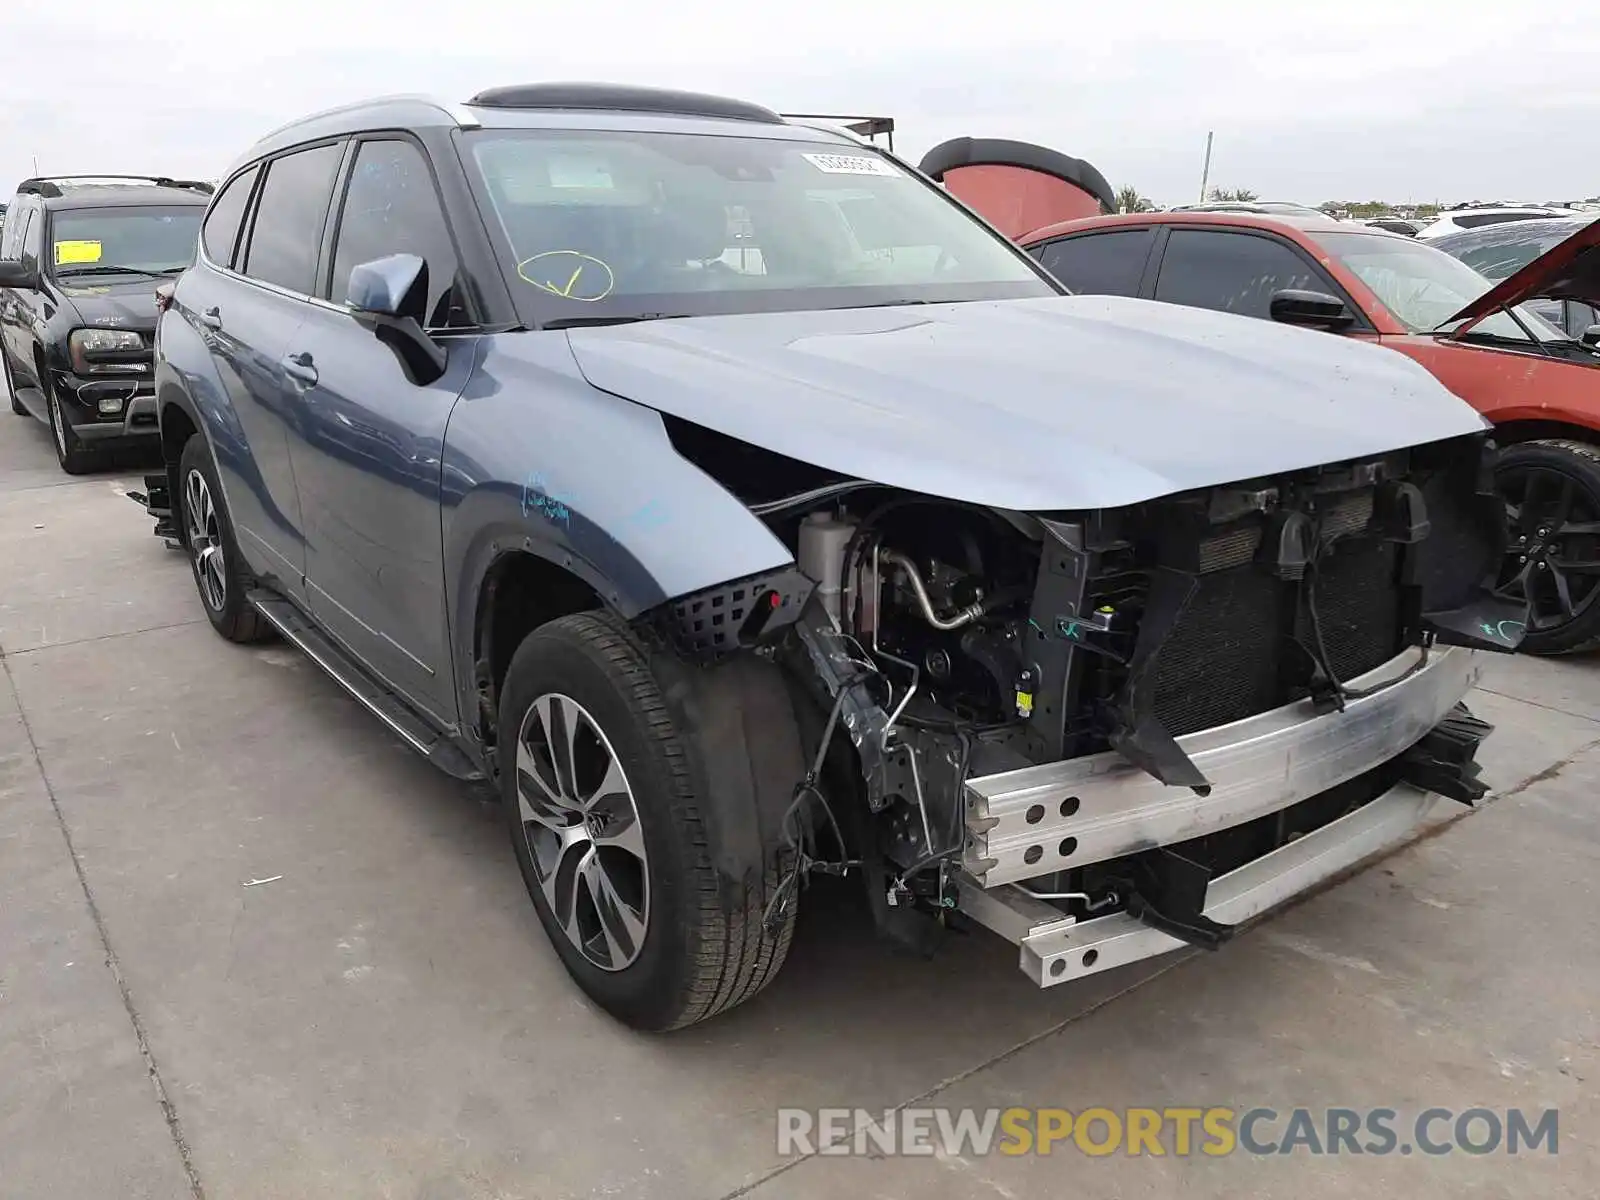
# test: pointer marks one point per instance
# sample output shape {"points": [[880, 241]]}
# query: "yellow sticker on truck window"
{"points": [[77, 252]]}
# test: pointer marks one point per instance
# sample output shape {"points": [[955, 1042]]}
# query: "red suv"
{"points": [[1535, 381]]}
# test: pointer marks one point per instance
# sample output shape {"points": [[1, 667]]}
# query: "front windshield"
{"points": [[1424, 287], [616, 224], [124, 241]]}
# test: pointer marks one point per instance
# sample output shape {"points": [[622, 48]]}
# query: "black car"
{"points": [[1499, 251], [80, 261]]}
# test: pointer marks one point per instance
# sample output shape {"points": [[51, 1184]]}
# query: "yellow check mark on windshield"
{"points": [[571, 283]]}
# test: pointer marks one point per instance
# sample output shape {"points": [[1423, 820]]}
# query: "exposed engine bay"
{"points": [[952, 646]]}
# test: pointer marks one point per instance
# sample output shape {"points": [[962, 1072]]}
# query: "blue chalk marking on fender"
{"points": [[538, 498]]}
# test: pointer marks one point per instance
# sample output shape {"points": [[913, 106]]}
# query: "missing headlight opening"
{"points": [[1022, 699]]}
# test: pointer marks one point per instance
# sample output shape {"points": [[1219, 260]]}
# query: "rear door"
{"points": [[368, 458], [1107, 262], [248, 310]]}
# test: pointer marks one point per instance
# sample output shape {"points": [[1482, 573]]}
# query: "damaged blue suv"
{"points": [[742, 508]]}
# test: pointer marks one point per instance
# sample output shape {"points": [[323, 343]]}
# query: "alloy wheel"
{"points": [[582, 829], [1553, 560], [205, 541]]}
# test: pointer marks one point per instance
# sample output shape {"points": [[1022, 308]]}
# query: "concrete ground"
{"points": [[385, 1019]]}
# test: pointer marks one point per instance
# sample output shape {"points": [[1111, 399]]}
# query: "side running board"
{"points": [[394, 712]]}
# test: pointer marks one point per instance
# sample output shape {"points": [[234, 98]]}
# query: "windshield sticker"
{"points": [[77, 252], [569, 274], [851, 164], [579, 173]]}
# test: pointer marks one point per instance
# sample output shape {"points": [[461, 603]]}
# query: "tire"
{"points": [[1566, 495], [704, 946], [75, 458], [10, 387], [220, 575]]}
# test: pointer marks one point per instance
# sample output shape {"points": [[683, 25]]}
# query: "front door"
{"points": [[369, 458]]}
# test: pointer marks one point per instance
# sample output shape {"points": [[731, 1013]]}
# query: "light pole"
{"points": [[1205, 171]]}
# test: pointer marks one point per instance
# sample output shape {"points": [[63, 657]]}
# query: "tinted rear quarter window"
{"points": [[221, 230], [1231, 272], [1104, 264], [287, 231]]}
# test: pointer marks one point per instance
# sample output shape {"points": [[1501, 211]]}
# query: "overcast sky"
{"points": [[1348, 100]]}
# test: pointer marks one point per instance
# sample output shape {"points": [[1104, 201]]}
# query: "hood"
{"points": [[1054, 403], [1569, 270], [114, 304]]}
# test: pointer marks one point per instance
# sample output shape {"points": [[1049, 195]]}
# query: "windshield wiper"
{"points": [[586, 322], [74, 272]]}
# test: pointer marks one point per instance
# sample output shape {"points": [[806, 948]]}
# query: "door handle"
{"points": [[299, 366], [211, 318]]}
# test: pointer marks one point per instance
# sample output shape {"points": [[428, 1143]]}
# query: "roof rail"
{"points": [[50, 185], [457, 114], [863, 127], [615, 97]]}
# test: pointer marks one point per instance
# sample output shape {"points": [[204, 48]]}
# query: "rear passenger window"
{"points": [[1231, 272], [1100, 263], [220, 233], [390, 207], [287, 232]]}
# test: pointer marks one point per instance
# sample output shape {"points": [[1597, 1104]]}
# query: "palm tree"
{"points": [[1130, 201], [1239, 195]]}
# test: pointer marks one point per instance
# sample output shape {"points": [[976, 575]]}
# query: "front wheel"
{"points": [[1552, 496], [607, 829], [207, 534], [75, 458]]}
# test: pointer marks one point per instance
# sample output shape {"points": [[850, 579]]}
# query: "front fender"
{"points": [[537, 460]]}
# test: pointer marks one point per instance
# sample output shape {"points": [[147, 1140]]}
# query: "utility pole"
{"points": [[1205, 171], [35, 166]]}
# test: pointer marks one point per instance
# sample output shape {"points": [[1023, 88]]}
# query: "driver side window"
{"points": [[32, 236], [1231, 272], [390, 207]]}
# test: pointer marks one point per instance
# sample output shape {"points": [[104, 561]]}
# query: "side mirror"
{"points": [[1591, 337], [390, 297], [1312, 310], [14, 274]]}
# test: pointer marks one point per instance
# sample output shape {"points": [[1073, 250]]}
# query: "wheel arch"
{"points": [[177, 420], [741, 713], [1534, 429], [518, 590]]}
